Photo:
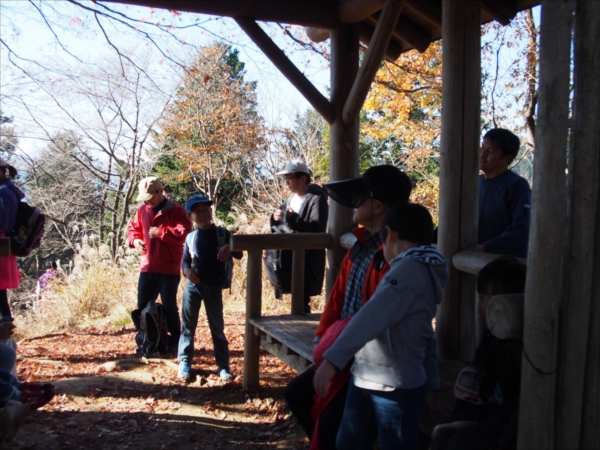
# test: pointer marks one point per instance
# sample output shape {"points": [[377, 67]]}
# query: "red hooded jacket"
{"points": [[375, 272], [163, 254]]}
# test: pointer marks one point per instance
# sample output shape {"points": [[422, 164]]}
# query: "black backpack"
{"points": [[151, 325], [278, 264], [28, 230]]}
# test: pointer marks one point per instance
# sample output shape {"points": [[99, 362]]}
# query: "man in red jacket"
{"points": [[158, 232]]}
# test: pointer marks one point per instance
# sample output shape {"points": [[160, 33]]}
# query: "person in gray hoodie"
{"points": [[392, 340]]}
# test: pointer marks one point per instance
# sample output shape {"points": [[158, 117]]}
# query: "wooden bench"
{"points": [[289, 337]]}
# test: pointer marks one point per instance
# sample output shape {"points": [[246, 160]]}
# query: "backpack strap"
{"points": [[221, 236], [189, 240]]}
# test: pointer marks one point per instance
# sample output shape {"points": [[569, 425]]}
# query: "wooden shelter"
{"points": [[560, 384]]}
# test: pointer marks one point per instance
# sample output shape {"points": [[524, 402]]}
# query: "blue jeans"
{"points": [[190, 309], [394, 416], [149, 286]]}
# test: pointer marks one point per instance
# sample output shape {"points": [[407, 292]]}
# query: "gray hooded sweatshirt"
{"points": [[391, 336]]}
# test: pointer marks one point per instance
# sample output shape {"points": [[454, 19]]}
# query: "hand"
{"points": [[432, 403], [140, 246], [153, 232], [191, 275], [277, 215], [322, 378], [223, 253], [6, 330]]}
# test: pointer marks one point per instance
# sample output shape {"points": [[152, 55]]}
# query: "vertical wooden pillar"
{"points": [[545, 263], [461, 94], [298, 280], [253, 310], [343, 149], [578, 406]]}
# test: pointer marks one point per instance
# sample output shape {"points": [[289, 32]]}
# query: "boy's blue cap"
{"points": [[194, 200]]}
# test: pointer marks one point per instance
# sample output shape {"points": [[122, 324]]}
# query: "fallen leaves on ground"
{"points": [[144, 405]]}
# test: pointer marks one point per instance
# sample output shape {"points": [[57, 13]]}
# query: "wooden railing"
{"points": [[472, 262], [255, 244]]}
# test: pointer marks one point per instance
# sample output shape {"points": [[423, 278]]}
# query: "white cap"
{"points": [[293, 166]]}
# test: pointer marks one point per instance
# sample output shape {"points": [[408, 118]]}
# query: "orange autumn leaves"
{"points": [[212, 122]]}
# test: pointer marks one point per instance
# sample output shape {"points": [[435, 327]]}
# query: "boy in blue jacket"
{"points": [[205, 255], [392, 340]]}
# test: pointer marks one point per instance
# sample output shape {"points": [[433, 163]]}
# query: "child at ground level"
{"points": [[204, 259], [392, 340], [492, 424]]}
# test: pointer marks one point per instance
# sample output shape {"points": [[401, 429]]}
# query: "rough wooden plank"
{"points": [[458, 172], [343, 148], [545, 268], [253, 310], [296, 332], [576, 423], [372, 60], [353, 11], [315, 13], [247, 242], [287, 67], [472, 262], [298, 280]]}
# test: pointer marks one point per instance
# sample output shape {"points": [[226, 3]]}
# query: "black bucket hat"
{"points": [[387, 184]]}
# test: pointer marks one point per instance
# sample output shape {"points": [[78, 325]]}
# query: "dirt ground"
{"points": [[142, 405]]}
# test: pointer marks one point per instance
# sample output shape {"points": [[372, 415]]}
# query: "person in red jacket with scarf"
{"points": [[361, 270], [158, 232]]}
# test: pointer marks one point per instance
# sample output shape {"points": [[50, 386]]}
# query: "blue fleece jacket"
{"points": [[504, 208]]}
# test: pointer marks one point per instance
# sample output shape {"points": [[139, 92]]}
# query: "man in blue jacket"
{"points": [[504, 197]]}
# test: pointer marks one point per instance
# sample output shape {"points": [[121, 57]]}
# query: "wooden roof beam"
{"points": [[315, 13], [372, 61], [428, 9], [354, 11], [502, 11], [407, 32], [287, 67], [393, 50]]}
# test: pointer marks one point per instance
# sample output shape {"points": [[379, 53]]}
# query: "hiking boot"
{"points": [[11, 417], [224, 374], [184, 371]]}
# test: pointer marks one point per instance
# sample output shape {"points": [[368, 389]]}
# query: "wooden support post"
{"points": [[298, 280], [287, 68], [372, 60], [253, 309], [344, 138], [545, 269], [578, 425], [461, 93]]}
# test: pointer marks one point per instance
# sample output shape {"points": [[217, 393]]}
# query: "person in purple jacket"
{"points": [[10, 196], [504, 197]]}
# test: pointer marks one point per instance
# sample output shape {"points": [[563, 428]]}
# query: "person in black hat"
{"points": [[363, 267]]}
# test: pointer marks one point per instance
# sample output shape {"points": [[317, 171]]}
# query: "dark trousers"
{"points": [[152, 284], [4, 306], [190, 309], [299, 397]]}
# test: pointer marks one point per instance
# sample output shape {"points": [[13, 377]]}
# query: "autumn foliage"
{"points": [[212, 125]]}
